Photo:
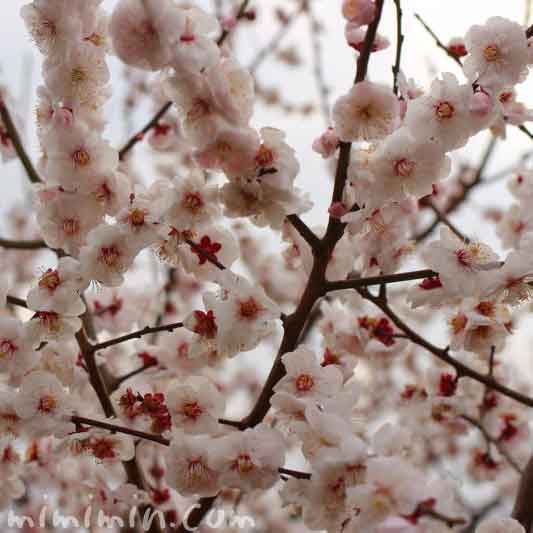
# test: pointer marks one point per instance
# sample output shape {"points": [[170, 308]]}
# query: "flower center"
{"points": [[81, 157], [492, 53], [136, 216], [103, 449], [444, 110], [71, 226], [7, 348], [264, 156], [192, 410], [110, 255], [49, 320], [404, 168], [78, 75], [249, 309], [50, 280], [199, 109], [193, 202], [47, 403], [458, 323], [304, 382], [205, 324], [244, 463]]}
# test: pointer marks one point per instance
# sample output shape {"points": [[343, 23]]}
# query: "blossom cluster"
{"points": [[353, 405]]}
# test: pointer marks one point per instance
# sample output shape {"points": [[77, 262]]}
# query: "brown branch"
{"points": [[305, 232], [441, 217], [115, 384], [240, 13], [467, 190], [17, 144], [443, 353], [315, 288], [139, 136], [275, 41], [22, 245], [13, 300], [136, 335], [491, 440], [523, 510], [438, 42], [399, 44], [379, 280]]}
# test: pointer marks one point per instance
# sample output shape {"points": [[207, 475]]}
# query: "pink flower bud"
{"points": [[481, 103], [360, 12], [326, 144], [228, 23], [337, 210]]}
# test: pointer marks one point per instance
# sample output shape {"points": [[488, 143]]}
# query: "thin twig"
{"points": [[399, 43], [379, 280], [17, 144], [443, 353], [447, 222], [305, 232], [467, 190], [438, 42], [22, 245], [139, 136], [493, 441], [13, 300], [136, 335]]}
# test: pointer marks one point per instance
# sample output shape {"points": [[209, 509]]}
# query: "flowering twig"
{"points": [[306, 233], [240, 13], [136, 335], [22, 245], [379, 280], [13, 300], [118, 381], [399, 43], [491, 440], [523, 510], [79, 420], [461, 369], [438, 42], [139, 136], [318, 70], [17, 144], [467, 189], [447, 222], [273, 44]]}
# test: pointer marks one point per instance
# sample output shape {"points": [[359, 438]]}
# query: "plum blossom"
{"points": [[195, 405], [497, 53], [58, 289], [368, 112], [249, 460], [188, 468], [44, 405], [305, 377]]}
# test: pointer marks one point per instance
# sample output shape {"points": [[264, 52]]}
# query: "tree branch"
{"points": [[493, 441], [22, 245], [442, 353], [305, 232], [379, 280], [438, 42], [399, 43], [17, 144], [136, 335]]}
